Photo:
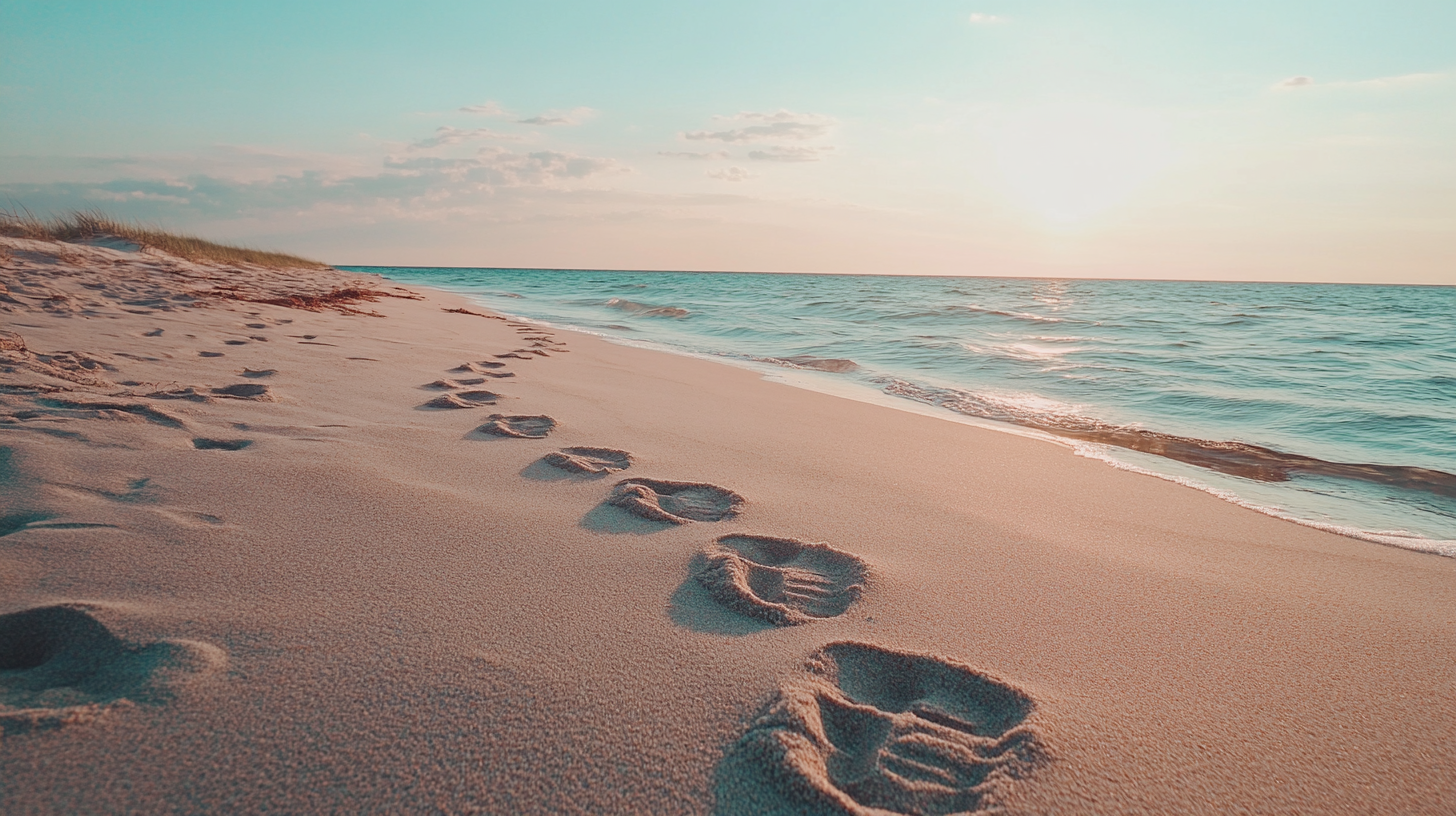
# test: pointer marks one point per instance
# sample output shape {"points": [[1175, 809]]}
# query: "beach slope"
{"points": [[309, 541]]}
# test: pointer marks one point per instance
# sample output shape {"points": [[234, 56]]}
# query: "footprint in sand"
{"points": [[868, 730], [209, 354], [675, 502], [463, 399], [515, 355], [252, 391], [486, 367], [60, 666], [443, 385], [780, 580], [589, 460], [520, 427], [260, 372]]}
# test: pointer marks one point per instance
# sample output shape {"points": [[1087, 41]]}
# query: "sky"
{"points": [[1273, 140]]}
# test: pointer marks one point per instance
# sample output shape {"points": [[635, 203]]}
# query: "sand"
{"points": [[250, 562]]}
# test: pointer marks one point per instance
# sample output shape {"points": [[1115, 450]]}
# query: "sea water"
{"points": [[1332, 405]]}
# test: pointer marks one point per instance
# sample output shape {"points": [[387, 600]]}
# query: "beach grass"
{"points": [[84, 225]]}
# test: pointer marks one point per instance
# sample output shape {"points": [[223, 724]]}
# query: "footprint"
{"points": [[60, 666], [870, 730], [252, 391], [675, 502], [514, 355], [780, 580], [94, 409], [209, 354], [463, 399], [152, 333], [441, 385], [478, 368], [201, 443], [256, 373], [15, 522], [589, 460], [235, 342], [520, 427]]}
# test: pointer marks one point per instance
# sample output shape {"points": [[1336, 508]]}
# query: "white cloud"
{"points": [[730, 174], [447, 135], [575, 116], [781, 125], [489, 108], [681, 154], [792, 153], [981, 18]]}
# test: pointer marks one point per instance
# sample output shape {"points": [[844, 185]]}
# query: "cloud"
{"points": [[680, 154], [777, 126], [415, 187], [1294, 82], [730, 174], [498, 167], [1403, 80], [489, 108], [447, 135], [980, 18], [792, 153], [575, 116]]}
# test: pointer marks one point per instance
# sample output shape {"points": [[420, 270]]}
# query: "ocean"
{"points": [[1330, 405]]}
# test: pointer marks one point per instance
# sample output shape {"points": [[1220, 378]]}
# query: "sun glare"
{"points": [[1070, 162]]}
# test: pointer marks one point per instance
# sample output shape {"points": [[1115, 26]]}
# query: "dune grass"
{"points": [[77, 226]]}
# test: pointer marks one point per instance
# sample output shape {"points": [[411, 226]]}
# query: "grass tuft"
{"points": [[79, 225]]}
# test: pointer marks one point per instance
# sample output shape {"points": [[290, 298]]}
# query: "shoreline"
{"points": [[828, 384], [375, 605]]}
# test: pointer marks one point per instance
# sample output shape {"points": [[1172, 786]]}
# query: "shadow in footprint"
{"points": [[256, 373], [871, 730], [60, 666], [201, 443], [252, 391], [604, 518], [15, 522], [692, 607]]}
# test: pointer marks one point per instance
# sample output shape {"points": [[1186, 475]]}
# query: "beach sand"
{"points": [[323, 589]]}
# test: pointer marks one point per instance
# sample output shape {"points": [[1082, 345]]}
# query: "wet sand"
{"points": [[251, 561]]}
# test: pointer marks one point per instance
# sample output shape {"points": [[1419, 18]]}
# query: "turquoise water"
{"points": [[1329, 404]]}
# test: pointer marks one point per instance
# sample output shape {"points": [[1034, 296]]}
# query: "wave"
{"points": [[972, 307], [1233, 458], [645, 310], [834, 365]]}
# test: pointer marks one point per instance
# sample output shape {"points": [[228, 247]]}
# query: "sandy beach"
{"points": [[274, 544]]}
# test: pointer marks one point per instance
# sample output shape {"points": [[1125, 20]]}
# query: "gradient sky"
{"points": [[1268, 140]]}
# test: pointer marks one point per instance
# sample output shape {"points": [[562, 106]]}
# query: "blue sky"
{"points": [[1251, 140]]}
